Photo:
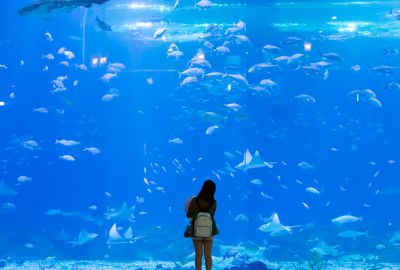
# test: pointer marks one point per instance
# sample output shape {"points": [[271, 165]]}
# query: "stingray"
{"points": [[45, 8], [114, 237], [84, 237], [253, 161], [123, 213], [6, 190]]}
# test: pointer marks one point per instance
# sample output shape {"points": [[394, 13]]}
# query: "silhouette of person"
{"points": [[204, 200]]}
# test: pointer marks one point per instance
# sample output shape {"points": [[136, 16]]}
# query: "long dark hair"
{"points": [[207, 191]]}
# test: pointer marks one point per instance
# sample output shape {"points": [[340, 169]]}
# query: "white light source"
{"points": [[352, 27], [307, 46], [334, 17], [95, 61], [229, 87], [2, 103]]}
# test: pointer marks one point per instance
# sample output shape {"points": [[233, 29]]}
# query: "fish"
{"points": [[210, 130], [67, 158], [305, 165], [313, 190], [204, 4], [175, 141], [52, 212], [67, 142], [92, 150], [242, 218], [103, 26], [108, 97], [304, 99], [48, 36], [116, 67], [108, 76], [40, 110], [159, 33], [256, 182], [352, 234], [24, 179], [346, 219], [46, 8], [48, 56], [30, 144]]}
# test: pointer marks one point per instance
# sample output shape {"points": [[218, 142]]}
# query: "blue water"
{"points": [[350, 143]]}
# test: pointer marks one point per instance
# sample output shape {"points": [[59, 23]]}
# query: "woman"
{"points": [[203, 202]]}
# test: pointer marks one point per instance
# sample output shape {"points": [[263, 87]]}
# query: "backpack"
{"points": [[203, 223]]}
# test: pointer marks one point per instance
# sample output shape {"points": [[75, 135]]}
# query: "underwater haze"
{"points": [[114, 112]]}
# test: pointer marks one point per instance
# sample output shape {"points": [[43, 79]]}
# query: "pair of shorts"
{"points": [[203, 238]]}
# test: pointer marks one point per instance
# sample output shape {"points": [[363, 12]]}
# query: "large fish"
{"points": [[44, 8]]}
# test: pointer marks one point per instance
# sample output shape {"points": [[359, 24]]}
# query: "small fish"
{"points": [[108, 97], [176, 4], [93, 207], [256, 182], [234, 106], [242, 218], [210, 130], [175, 54], [204, 4], [29, 245], [175, 141], [352, 234], [48, 56], [67, 142], [102, 25], [64, 63], [305, 205], [305, 165], [346, 219], [24, 179], [82, 67], [48, 36], [92, 150], [40, 110], [313, 190], [67, 158], [116, 67], [150, 81], [70, 55], [356, 68], [159, 33], [108, 76]]}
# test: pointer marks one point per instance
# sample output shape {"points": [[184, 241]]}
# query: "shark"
{"points": [[45, 8]]}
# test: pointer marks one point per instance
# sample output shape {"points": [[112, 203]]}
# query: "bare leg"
{"points": [[198, 249], [207, 253]]}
